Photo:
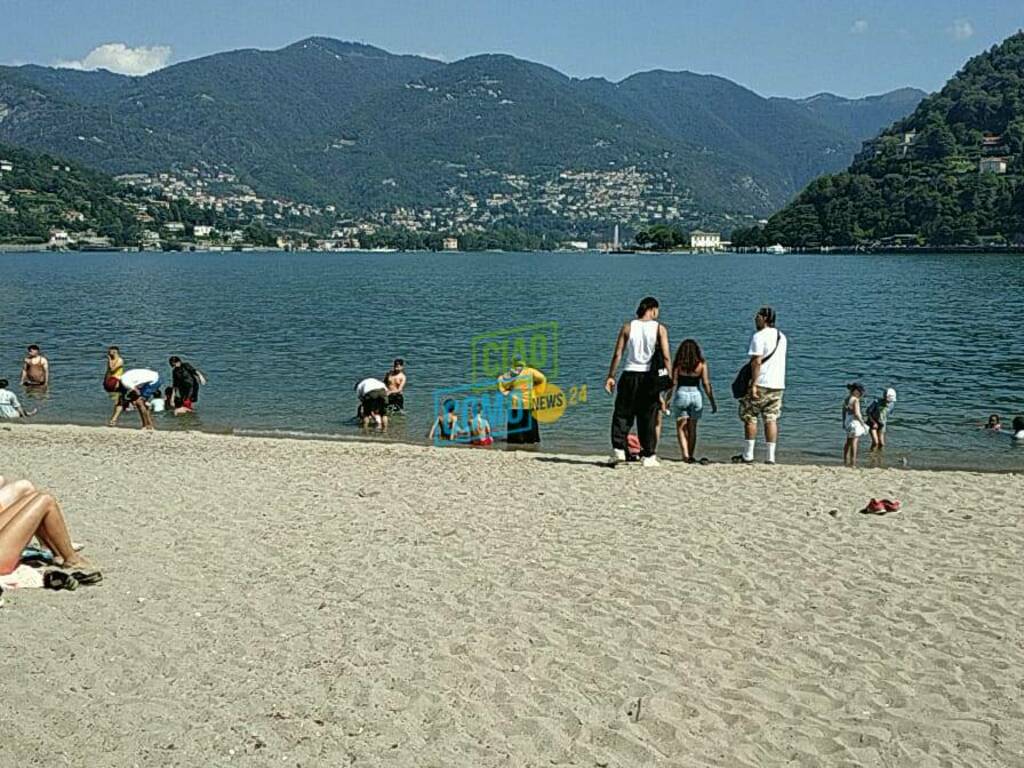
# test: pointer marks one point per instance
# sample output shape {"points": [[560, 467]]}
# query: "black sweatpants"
{"points": [[635, 398]]}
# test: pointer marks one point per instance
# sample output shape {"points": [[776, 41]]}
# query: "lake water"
{"points": [[285, 336]]}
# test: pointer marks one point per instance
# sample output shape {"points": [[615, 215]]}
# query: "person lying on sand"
{"points": [[26, 512]]}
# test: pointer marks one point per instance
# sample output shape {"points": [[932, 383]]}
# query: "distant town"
{"points": [[220, 212]]}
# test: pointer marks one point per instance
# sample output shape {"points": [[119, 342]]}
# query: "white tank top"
{"points": [[643, 336]]}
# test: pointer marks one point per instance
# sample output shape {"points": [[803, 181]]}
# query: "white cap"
{"points": [[890, 395]]}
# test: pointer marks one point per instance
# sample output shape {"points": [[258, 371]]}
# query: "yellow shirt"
{"points": [[525, 387]]}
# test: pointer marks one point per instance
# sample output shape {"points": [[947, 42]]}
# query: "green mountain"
{"points": [[776, 142], [486, 138], [39, 193], [950, 173], [860, 118]]}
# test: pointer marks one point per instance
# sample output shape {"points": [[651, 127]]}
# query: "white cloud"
{"points": [[859, 27], [120, 58], [962, 29]]}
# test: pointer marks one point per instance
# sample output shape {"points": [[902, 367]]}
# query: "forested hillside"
{"points": [[950, 173]]}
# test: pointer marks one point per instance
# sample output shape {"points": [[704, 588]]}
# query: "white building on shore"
{"points": [[705, 241]]}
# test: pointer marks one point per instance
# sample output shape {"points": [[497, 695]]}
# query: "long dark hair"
{"points": [[688, 357]]}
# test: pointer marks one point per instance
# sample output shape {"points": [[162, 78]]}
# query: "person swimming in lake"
{"points": [[445, 428], [994, 423], [1018, 429], [35, 372], [854, 424]]}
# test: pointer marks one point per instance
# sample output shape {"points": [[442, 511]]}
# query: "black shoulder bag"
{"points": [[658, 370], [741, 384]]}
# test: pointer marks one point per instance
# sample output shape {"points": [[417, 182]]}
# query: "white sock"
{"points": [[748, 450], [771, 451]]}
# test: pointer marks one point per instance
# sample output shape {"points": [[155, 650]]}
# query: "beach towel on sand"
{"points": [[23, 577]]}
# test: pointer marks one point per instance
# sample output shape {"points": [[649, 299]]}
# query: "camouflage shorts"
{"points": [[768, 405]]}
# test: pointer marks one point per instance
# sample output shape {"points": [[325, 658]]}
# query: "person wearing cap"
{"points": [[854, 425], [395, 380], [523, 383], [877, 417], [134, 387], [768, 347]]}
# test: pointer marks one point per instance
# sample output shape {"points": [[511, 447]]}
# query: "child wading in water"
{"points": [[853, 423], [480, 428], [878, 417]]}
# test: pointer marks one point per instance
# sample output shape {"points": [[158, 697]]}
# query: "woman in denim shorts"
{"points": [[690, 372]]}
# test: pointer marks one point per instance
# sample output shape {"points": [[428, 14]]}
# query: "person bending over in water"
{"points": [[134, 388], [186, 379], [10, 408], [36, 370], [395, 380], [373, 403], [878, 418], [26, 512]]}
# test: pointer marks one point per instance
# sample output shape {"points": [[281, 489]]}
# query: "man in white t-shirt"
{"points": [[768, 347], [134, 387], [373, 402]]}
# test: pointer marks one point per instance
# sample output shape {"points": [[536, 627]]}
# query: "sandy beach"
{"points": [[301, 603]]}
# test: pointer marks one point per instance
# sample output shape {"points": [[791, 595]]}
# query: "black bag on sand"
{"points": [[741, 384]]}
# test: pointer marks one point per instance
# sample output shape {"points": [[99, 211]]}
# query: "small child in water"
{"points": [[480, 428], [878, 417], [994, 423], [853, 423]]}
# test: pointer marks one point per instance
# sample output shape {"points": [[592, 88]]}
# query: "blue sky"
{"points": [[776, 47]]}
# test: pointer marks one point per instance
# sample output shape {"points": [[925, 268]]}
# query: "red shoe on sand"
{"points": [[874, 507]]}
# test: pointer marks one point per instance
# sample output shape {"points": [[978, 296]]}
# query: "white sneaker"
{"points": [[651, 461], [618, 455]]}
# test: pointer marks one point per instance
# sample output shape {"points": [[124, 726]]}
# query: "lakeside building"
{"points": [[202, 230], [705, 241], [451, 243], [992, 165], [59, 238]]}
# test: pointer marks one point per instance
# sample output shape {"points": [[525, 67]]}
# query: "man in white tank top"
{"points": [[636, 393]]}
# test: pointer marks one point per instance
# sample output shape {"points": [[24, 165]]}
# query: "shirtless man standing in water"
{"points": [[395, 380], [36, 370]]}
